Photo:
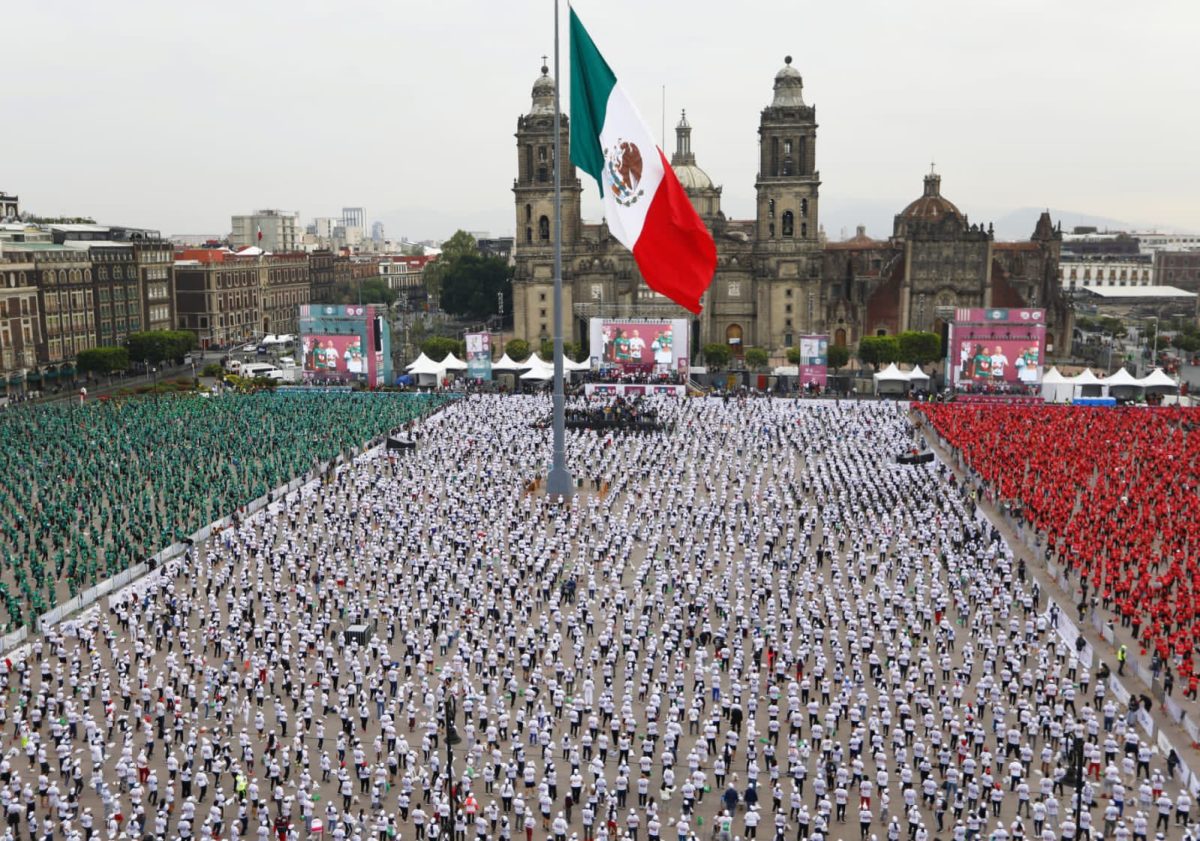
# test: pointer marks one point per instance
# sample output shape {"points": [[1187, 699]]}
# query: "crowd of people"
{"points": [[87, 491], [1114, 493], [765, 628]]}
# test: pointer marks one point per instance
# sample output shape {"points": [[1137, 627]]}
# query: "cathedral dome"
{"points": [[692, 177], [543, 93], [932, 205], [789, 87]]}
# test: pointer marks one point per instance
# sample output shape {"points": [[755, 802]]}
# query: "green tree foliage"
{"points": [[438, 348], [1102, 324], [372, 291], [471, 286], [919, 348], [717, 355], [1186, 343], [878, 350], [460, 246], [103, 360], [212, 369], [838, 356], [156, 346], [571, 350], [756, 358], [793, 356], [518, 350]]}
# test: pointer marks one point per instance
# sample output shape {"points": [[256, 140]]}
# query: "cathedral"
{"points": [[777, 277]]}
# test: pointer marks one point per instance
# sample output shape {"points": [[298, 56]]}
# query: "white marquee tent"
{"points": [[1159, 382], [891, 380], [453, 363], [1122, 384], [504, 363], [1055, 387]]}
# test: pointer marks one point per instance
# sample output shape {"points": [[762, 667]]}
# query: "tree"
{"points": [[103, 360], [1186, 343], [756, 358], [155, 346], [876, 350], [919, 348], [471, 286], [571, 350], [837, 356], [373, 290], [518, 350], [438, 348], [793, 356], [461, 244], [717, 355]]}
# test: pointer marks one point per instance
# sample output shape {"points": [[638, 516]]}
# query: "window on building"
{"points": [[529, 234], [770, 208], [803, 208], [544, 228], [803, 229], [528, 213], [788, 223]]}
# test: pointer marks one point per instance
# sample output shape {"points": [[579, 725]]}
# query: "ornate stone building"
{"points": [[776, 277]]}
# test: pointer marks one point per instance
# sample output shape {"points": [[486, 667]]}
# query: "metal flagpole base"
{"points": [[559, 482]]}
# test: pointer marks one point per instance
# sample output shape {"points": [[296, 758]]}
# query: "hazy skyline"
{"points": [[178, 116]]}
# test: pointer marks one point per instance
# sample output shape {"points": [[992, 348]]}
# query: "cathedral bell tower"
{"points": [[787, 242], [533, 188], [788, 181], [533, 194]]}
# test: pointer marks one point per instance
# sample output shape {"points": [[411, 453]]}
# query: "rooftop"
{"points": [[1138, 292]]}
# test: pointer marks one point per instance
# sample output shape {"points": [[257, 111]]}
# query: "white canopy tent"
{"points": [[916, 375], [1086, 384], [1055, 387], [427, 371], [1160, 382], [453, 363], [421, 361], [506, 364], [538, 373], [1122, 384], [891, 380]]}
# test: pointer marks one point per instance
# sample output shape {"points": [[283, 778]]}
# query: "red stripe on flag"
{"points": [[675, 252]]}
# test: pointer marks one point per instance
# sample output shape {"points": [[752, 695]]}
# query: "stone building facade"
{"points": [[776, 278]]}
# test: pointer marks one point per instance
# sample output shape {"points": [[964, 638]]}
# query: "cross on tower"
{"points": [[932, 171], [545, 68]]}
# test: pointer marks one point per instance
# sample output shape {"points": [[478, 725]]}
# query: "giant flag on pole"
{"points": [[646, 207]]}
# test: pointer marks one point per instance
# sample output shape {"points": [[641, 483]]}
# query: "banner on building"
{"points": [[814, 360], [479, 356]]}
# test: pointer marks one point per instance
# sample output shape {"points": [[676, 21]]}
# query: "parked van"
{"points": [[233, 366], [255, 370]]}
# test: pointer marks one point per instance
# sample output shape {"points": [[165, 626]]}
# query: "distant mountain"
{"points": [[1019, 224]]}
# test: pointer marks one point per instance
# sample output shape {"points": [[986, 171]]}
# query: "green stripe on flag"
{"points": [[591, 82]]}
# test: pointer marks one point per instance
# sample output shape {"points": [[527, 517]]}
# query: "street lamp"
{"points": [[452, 739]]}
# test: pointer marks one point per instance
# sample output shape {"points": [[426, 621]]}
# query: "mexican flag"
{"points": [[645, 206]]}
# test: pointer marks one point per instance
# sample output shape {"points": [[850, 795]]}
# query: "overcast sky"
{"points": [[176, 115]]}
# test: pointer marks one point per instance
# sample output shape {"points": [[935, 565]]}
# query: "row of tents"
{"points": [[424, 371], [891, 380], [1058, 388]]}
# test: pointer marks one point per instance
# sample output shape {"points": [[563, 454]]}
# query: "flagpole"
{"points": [[559, 480]]}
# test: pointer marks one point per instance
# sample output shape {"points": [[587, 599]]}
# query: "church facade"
{"points": [[777, 278]]}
